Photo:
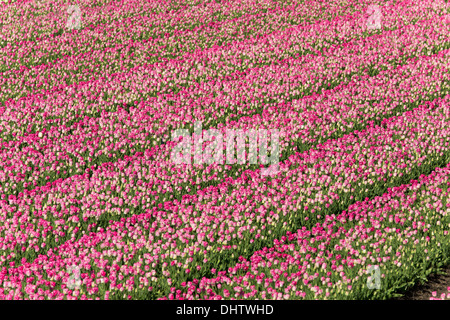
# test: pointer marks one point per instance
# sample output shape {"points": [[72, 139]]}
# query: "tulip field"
{"points": [[93, 207]]}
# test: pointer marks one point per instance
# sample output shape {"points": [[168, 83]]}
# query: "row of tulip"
{"points": [[249, 208], [158, 26], [315, 73], [40, 20], [404, 234], [25, 9], [64, 150], [169, 213], [18, 113], [227, 34]]}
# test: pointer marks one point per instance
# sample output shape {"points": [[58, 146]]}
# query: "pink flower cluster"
{"points": [[398, 231], [86, 175], [443, 296]]}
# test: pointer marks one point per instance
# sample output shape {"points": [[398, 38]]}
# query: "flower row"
{"points": [[42, 20], [310, 72], [60, 149], [227, 35], [374, 249], [250, 208], [401, 233]]}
